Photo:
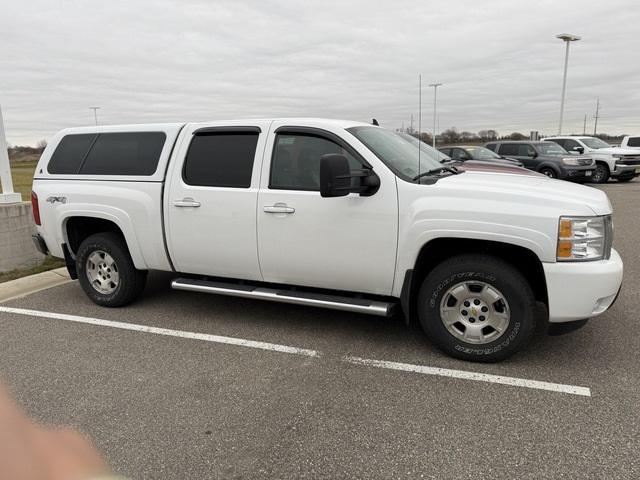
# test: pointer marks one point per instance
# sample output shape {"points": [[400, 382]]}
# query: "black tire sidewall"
{"points": [[128, 281], [605, 175], [547, 169], [496, 273]]}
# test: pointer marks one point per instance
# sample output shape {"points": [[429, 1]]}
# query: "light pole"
{"points": [[435, 98], [95, 113], [566, 38]]}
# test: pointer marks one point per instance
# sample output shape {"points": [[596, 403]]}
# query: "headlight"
{"points": [[617, 155], [584, 238], [570, 161]]}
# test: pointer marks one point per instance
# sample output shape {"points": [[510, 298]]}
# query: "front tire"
{"points": [[477, 308], [600, 174], [549, 172], [106, 271]]}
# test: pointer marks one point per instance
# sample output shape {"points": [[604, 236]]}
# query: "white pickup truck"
{"points": [[622, 164], [631, 141], [327, 213]]}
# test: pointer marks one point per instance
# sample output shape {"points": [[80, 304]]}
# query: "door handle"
{"points": [[279, 208], [186, 202]]}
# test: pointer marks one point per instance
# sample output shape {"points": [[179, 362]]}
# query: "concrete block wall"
{"points": [[16, 247]]}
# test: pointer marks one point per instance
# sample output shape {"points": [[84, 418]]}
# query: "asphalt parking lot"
{"points": [[193, 401]]}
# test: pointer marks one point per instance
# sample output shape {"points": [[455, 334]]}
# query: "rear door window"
{"points": [[510, 149], [220, 159]]}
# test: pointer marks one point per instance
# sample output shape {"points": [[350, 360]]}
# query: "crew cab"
{"points": [[327, 213], [621, 164], [550, 160]]}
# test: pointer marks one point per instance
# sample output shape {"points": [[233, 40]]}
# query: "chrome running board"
{"points": [[297, 297]]}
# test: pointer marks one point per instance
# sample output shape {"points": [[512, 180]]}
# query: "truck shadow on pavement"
{"points": [[336, 332]]}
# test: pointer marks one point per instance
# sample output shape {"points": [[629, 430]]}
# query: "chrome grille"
{"points": [[629, 160]]}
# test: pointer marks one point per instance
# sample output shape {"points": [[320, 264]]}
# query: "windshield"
{"points": [[398, 153], [425, 148], [481, 153], [596, 143], [550, 148]]}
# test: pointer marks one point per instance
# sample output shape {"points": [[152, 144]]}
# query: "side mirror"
{"points": [[579, 149], [336, 178], [335, 175], [533, 155]]}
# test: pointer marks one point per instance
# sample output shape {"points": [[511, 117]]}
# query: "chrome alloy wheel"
{"points": [[102, 272], [475, 312]]}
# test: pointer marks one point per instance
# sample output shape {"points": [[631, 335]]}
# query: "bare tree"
{"points": [[451, 135]]}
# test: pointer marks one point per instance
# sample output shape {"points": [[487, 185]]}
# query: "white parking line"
{"points": [[478, 377], [405, 367], [240, 342]]}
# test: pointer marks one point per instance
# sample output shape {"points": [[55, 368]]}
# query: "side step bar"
{"points": [[335, 302]]}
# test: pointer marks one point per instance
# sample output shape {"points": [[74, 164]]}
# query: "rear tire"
{"points": [[491, 303], [106, 271], [624, 179], [601, 173]]}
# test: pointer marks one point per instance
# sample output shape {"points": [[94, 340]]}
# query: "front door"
{"points": [[210, 208], [344, 243]]}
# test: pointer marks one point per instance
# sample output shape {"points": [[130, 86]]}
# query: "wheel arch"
{"points": [[77, 227], [438, 250], [605, 163]]}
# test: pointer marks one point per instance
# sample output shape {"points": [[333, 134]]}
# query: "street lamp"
{"points": [[95, 113], [567, 38], [435, 92]]}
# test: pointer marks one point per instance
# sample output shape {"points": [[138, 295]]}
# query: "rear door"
{"points": [[210, 205], [345, 243]]}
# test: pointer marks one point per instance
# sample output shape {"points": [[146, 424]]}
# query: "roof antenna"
{"points": [[375, 122]]}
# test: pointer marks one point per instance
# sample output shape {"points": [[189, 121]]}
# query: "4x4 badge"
{"points": [[57, 199]]}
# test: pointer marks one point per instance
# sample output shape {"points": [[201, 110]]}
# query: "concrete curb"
{"points": [[33, 283]]}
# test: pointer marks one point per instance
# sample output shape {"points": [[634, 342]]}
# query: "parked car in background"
{"points": [[545, 157], [622, 164], [465, 153], [630, 141]]}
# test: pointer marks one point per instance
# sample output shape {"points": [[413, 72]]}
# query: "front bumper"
{"points": [[626, 171], [577, 174], [579, 290]]}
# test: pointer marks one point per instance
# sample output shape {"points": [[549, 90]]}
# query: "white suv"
{"points": [[622, 164]]}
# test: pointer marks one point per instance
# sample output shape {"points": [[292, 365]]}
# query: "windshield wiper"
{"points": [[452, 170]]}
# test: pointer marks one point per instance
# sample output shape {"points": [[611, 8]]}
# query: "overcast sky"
{"points": [[178, 60]]}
